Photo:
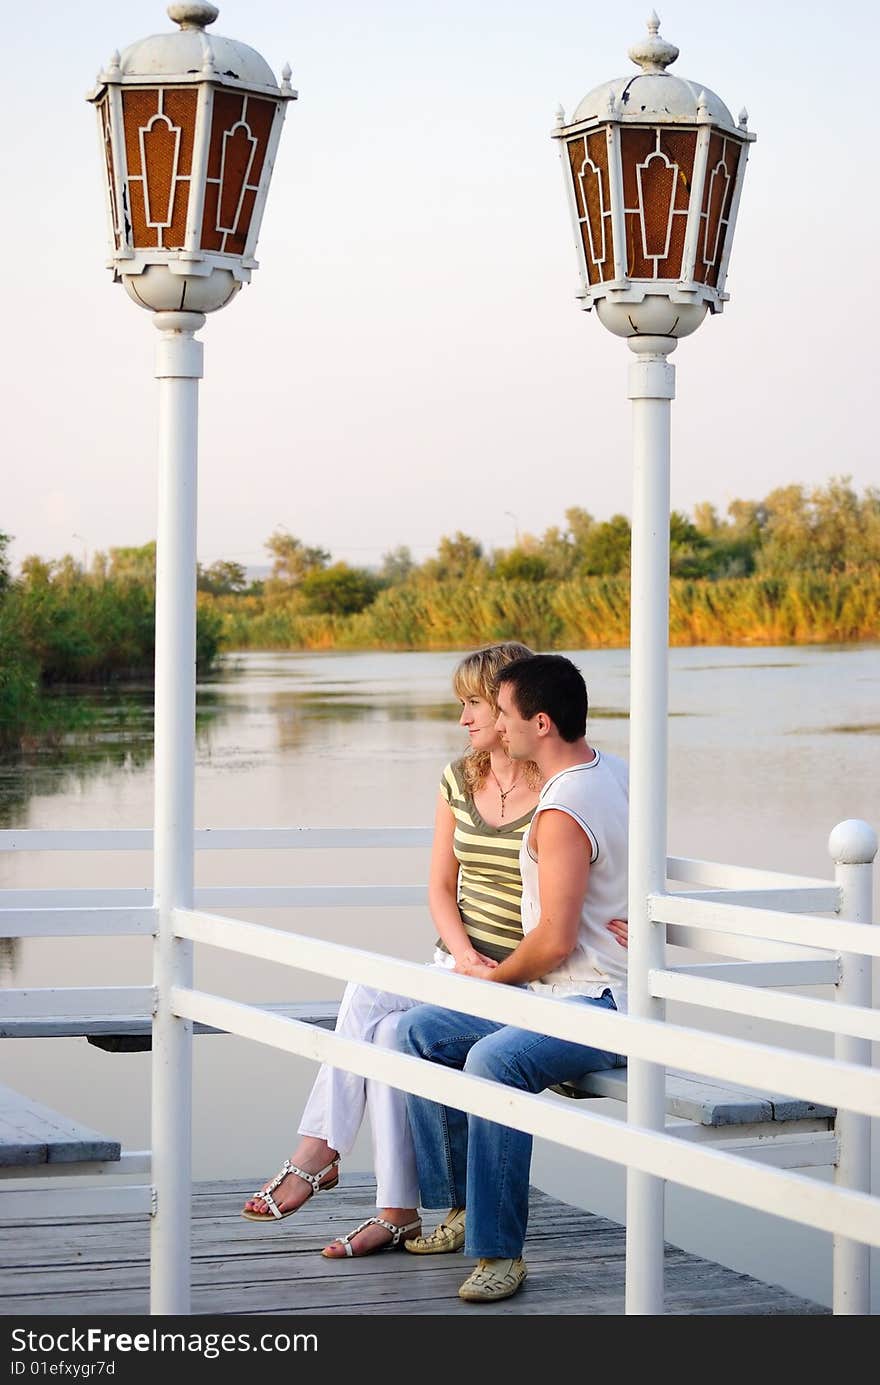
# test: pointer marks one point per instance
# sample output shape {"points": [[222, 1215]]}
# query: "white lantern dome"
{"points": [[191, 53], [654, 93]]}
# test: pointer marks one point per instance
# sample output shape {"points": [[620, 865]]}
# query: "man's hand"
{"points": [[620, 929]]}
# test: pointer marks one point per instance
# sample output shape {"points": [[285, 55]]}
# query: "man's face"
{"points": [[517, 734]]}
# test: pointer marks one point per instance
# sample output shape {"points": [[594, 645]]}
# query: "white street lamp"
{"points": [[653, 167], [189, 125]]}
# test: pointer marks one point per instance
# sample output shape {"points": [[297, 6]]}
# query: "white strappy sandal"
{"points": [[265, 1194], [399, 1237]]}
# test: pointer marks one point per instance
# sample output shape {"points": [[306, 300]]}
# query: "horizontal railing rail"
{"points": [[728, 1176], [767, 923], [829, 1016], [757, 1065]]}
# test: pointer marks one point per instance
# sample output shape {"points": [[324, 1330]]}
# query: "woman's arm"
{"points": [[443, 889]]}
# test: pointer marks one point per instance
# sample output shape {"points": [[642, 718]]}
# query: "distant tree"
{"points": [[689, 550], [557, 549], [222, 578], [458, 556], [35, 571], [339, 590], [137, 565], [397, 564], [580, 523], [519, 565], [292, 560], [605, 550], [707, 520], [5, 569]]}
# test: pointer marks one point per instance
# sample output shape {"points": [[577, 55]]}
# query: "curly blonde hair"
{"points": [[475, 676]]}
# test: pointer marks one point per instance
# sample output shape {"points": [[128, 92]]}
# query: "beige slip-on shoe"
{"points": [[445, 1238], [493, 1279]]}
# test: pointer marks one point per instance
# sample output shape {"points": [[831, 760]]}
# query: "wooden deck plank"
{"points": [[576, 1266]]}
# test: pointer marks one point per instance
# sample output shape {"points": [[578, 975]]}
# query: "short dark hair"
{"points": [[551, 684]]}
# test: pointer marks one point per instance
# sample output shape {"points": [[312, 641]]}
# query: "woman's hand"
{"points": [[481, 967], [472, 958], [620, 929]]}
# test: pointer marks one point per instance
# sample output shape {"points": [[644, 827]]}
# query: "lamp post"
{"points": [[653, 167], [189, 126]]}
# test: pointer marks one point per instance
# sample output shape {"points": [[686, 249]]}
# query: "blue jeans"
{"points": [[467, 1161]]}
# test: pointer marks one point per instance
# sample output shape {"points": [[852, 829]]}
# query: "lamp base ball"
{"points": [[655, 316], [160, 291]]}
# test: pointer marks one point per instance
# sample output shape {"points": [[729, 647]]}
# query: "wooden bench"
{"points": [[784, 1131], [773, 1128]]}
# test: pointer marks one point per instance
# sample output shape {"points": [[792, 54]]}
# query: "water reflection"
{"points": [[111, 729]]}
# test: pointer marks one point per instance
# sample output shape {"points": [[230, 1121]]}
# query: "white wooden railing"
{"points": [[768, 926]]}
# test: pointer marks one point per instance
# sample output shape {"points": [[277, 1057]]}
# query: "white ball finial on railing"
{"points": [[853, 843]]}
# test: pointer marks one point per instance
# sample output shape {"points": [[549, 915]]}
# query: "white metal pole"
{"points": [[853, 846], [651, 388], [178, 370]]}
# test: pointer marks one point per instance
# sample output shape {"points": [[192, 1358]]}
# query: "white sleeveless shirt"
{"points": [[596, 795]]}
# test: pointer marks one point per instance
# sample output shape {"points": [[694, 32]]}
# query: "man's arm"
{"points": [[563, 876]]}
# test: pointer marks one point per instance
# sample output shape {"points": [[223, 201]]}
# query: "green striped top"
{"points": [[489, 882]]}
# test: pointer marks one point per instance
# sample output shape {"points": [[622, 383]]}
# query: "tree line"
{"points": [[800, 566], [829, 529]]}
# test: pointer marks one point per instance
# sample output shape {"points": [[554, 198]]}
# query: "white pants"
{"points": [[338, 1099]]}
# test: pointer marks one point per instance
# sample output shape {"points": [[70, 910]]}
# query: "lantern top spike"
{"points": [[653, 54]]}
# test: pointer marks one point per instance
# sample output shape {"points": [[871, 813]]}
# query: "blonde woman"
{"points": [[485, 803]]}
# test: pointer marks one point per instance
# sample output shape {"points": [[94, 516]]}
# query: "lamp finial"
{"points": [[653, 54], [194, 14]]}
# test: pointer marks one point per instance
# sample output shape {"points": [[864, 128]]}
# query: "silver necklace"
{"points": [[504, 792]]}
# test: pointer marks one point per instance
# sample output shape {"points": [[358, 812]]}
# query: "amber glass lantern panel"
{"points": [[721, 176], [240, 131], [159, 129], [658, 170], [588, 157]]}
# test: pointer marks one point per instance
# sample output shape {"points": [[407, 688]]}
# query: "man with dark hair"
{"points": [[574, 868]]}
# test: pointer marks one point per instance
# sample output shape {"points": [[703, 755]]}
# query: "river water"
{"points": [[769, 748]]}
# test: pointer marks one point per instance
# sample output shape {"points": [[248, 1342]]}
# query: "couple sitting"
{"points": [[540, 922]]}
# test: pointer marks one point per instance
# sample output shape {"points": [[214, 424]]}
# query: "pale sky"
{"points": [[410, 358]]}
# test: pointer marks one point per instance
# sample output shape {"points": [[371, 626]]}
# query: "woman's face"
{"points": [[478, 719]]}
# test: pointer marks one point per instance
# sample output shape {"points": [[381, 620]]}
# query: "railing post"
{"points": [[651, 388], [853, 846], [178, 370]]}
